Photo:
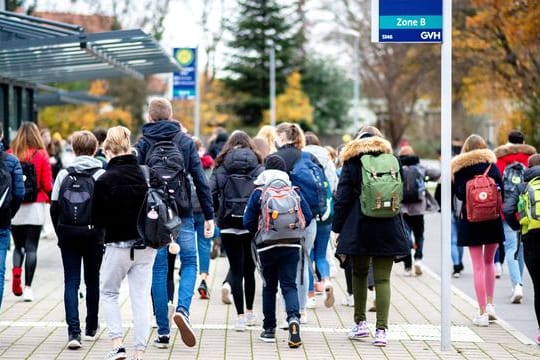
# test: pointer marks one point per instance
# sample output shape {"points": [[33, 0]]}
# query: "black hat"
{"points": [[275, 162], [516, 137]]}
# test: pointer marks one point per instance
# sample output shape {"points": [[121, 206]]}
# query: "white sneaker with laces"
{"points": [[226, 294], [517, 294], [240, 324], [251, 319], [490, 310], [311, 303], [481, 320], [348, 300], [303, 317], [28, 295], [418, 269], [498, 270]]}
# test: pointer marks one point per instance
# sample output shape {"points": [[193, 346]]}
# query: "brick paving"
{"points": [[36, 330]]}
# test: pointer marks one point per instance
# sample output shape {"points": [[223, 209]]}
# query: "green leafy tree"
{"points": [[259, 24], [330, 93]]}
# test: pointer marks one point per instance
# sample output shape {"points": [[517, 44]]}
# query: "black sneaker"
{"points": [[162, 342], [74, 341], [268, 335], [117, 353], [90, 335], [203, 290], [186, 331], [294, 334]]}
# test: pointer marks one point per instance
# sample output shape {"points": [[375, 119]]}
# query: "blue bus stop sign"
{"points": [[405, 21], [184, 84]]}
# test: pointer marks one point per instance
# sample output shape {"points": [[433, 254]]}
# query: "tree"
{"points": [[260, 24], [293, 105], [330, 93]]}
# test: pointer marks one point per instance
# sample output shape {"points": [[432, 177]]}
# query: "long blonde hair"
{"points": [[473, 142], [268, 134], [27, 138], [117, 141]]}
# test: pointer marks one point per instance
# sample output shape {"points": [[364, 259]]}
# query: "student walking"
{"points": [[27, 223], [365, 234], [481, 232], [278, 213], [11, 196], [78, 238], [118, 196], [232, 182]]}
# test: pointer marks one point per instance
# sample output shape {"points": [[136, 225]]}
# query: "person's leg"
{"points": [[159, 291], [302, 277], [456, 258], [249, 272], [171, 259], [359, 278], [140, 283], [30, 246], [203, 246], [510, 247], [531, 252], [417, 227], [4, 246], [408, 260], [188, 265], [477, 259], [489, 270], [287, 263], [319, 249], [269, 267], [92, 258], [234, 249], [19, 235], [71, 261], [382, 267], [348, 275]]}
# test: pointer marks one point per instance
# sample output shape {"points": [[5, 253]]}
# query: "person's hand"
{"points": [[208, 228], [335, 239]]}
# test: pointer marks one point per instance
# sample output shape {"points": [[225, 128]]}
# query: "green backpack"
{"points": [[529, 206], [382, 187]]}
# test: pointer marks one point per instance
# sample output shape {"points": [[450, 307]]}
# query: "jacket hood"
{"points": [[241, 160], [409, 160], [372, 144], [472, 158], [222, 137], [268, 175], [508, 149], [161, 130], [531, 173], [320, 153], [85, 162]]}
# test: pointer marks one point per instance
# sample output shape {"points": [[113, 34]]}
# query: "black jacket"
{"points": [[166, 130], [118, 196], [217, 145], [360, 234], [464, 167]]}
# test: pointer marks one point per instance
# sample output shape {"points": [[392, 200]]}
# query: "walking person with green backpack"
{"points": [[370, 225]]}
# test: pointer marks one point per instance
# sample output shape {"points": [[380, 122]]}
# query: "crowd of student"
{"points": [[278, 199]]}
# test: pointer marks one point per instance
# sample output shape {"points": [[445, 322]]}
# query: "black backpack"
{"points": [[166, 160], [234, 195], [30, 180], [414, 185], [158, 222], [512, 176], [5, 184], [75, 204]]}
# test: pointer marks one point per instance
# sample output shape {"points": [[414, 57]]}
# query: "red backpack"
{"points": [[483, 198]]}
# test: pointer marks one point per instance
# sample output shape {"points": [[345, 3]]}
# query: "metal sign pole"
{"points": [[446, 155], [197, 114], [272, 85]]}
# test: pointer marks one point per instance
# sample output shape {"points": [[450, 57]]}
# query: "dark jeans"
{"points": [[279, 264], [531, 253], [91, 257], [26, 239], [415, 223]]}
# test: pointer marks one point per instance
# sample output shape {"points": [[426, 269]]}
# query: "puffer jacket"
{"points": [[509, 153], [360, 234], [17, 186]]}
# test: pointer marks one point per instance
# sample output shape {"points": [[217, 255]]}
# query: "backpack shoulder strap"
{"points": [[487, 170], [146, 173]]}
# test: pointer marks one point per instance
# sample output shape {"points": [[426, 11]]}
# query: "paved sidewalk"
{"points": [[36, 330]]}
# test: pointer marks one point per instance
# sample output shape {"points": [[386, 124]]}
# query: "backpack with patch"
{"points": [[414, 184], [528, 206], [5, 184], [309, 177], [75, 204], [30, 180], [282, 219], [158, 223], [381, 189], [234, 195], [483, 198], [512, 177], [167, 161]]}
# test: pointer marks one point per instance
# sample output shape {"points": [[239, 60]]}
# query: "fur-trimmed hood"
{"points": [[508, 149], [472, 158], [372, 144]]}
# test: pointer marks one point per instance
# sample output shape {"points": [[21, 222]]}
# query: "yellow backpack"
{"points": [[529, 206]]}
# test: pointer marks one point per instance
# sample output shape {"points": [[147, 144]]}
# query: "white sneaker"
{"points": [[517, 294], [490, 310], [418, 270], [407, 273], [329, 298], [348, 300], [283, 324], [226, 296], [240, 324], [481, 320], [251, 319], [311, 303], [171, 309], [28, 296], [333, 271], [498, 270], [303, 317]]}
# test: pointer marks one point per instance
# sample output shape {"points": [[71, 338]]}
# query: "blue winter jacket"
{"points": [[165, 130], [17, 188]]}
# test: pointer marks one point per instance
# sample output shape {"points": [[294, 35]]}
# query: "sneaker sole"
{"points": [[266, 340], [418, 270], [517, 299], [357, 337], [225, 297], [74, 345], [330, 299], [160, 346], [294, 331], [187, 335], [492, 317], [379, 344], [294, 345]]}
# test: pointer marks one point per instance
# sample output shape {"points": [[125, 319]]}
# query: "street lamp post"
{"points": [[356, 75], [272, 84]]}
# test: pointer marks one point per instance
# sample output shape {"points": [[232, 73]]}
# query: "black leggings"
{"points": [[242, 269], [26, 238], [531, 253]]}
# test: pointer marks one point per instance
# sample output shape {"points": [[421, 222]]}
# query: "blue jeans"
{"points": [[4, 245], [515, 267], [318, 254], [457, 251], [279, 264], [91, 257], [188, 276], [203, 244]]}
